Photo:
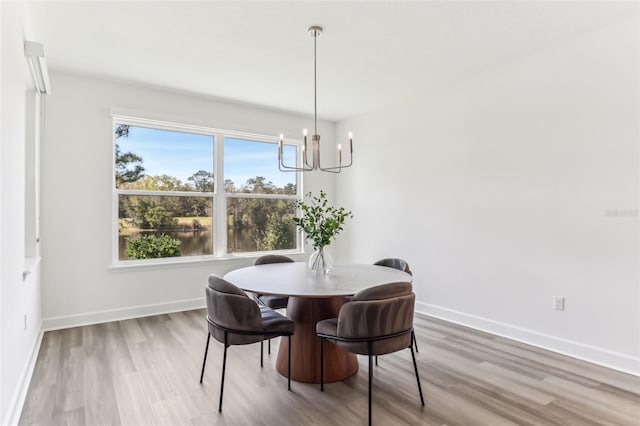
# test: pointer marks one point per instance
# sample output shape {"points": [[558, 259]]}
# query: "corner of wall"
{"points": [[14, 410]]}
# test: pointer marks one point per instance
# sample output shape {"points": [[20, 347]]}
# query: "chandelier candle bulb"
{"points": [[304, 148], [340, 153]]}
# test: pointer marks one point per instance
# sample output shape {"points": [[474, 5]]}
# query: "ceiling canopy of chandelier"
{"points": [[315, 164]]}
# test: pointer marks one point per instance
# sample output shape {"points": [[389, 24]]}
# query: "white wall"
{"points": [[17, 297], [2, 392], [79, 284], [509, 188]]}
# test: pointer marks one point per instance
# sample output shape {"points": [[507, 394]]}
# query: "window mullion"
{"points": [[255, 195], [161, 193], [219, 199]]}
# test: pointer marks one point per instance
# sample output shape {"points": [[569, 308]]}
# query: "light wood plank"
{"points": [[146, 371]]}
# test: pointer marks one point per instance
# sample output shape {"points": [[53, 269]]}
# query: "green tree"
{"points": [[128, 165], [158, 216], [157, 183], [290, 189], [279, 233], [202, 181], [151, 247], [195, 206], [229, 186], [149, 212], [258, 185], [268, 223]]}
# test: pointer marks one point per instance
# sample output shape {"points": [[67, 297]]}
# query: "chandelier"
{"points": [[314, 32]]}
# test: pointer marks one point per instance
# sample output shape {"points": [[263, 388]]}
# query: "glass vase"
{"points": [[320, 262]]}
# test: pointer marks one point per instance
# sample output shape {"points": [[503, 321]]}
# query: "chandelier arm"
{"points": [[340, 167], [306, 163], [324, 169], [330, 170], [293, 170], [284, 168]]}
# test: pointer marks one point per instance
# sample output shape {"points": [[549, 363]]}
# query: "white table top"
{"points": [[295, 279]]}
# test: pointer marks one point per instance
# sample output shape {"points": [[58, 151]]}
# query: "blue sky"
{"points": [[182, 154]]}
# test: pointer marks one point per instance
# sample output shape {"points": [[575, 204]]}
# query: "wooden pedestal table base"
{"points": [[305, 344]]}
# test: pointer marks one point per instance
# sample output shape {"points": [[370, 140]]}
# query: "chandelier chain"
{"points": [[315, 86]]}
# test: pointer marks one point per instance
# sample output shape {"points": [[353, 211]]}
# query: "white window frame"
{"points": [[219, 196], [35, 104]]}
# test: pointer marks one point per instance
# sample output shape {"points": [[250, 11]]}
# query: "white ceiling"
{"points": [[370, 53]]}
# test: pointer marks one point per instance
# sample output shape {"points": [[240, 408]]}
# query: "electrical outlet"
{"points": [[558, 303], [25, 322]]}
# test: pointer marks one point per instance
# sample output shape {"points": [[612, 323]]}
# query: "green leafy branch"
{"points": [[320, 221]]}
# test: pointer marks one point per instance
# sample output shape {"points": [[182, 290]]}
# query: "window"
{"points": [[260, 198], [169, 201]]}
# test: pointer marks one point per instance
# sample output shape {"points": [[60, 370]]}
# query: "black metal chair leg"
{"points": [[415, 341], [289, 366], [321, 364], [376, 360], [415, 367], [370, 380], [204, 361], [261, 353], [269, 347], [224, 366]]}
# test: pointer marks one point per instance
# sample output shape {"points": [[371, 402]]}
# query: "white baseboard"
{"points": [[67, 321], [593, 354], [14, 410]]}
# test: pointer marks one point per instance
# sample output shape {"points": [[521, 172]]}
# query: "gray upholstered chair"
{"points": [[274, 302], [234, 319], [402, 265], [396, 263], [376, 321]]}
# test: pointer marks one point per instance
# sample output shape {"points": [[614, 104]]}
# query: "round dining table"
{"points": [[313, 298]]}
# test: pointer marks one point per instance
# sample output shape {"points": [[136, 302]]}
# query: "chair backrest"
{"points": [[273, 258], [230, 307], [394, 262], [379, 311]]}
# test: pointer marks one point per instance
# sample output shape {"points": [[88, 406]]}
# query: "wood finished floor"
{"points": [[145, 372]]}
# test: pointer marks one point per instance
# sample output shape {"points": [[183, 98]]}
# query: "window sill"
{"points": [[30, 264], [190, 260]]}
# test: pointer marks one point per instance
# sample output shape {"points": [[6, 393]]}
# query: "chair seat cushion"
{"points": [[233, 338], [328, 327], [380, 347], [273, 322], [274, 302]]}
